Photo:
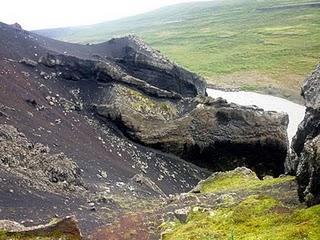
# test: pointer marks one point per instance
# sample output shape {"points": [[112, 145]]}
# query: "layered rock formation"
{"points": [[305, 162], [210, 133], [160, 105]]}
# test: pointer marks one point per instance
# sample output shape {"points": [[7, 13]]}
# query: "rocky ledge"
{"points": [[305, 160], [208, 132]]}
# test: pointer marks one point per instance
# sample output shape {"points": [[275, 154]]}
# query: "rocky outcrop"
{"points": [[16, 26], [75, 69], [71, 99], [160, 105], [210, 133], [130, 61], [308, 172], [143, 62], [305, 157], [35, 161], [66, 228]]}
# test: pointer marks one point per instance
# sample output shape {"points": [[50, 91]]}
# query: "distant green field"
{"points": [[230, 43]]}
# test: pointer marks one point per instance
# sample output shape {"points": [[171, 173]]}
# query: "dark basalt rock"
{"points": [[308, 172], [69, 100], [130, 61], [304, 161], [210, 133], [143, 62]]}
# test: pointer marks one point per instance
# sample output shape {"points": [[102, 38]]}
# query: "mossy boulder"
{"points": [[57, 229]]}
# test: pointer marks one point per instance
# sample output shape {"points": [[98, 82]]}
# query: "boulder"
{"points": [[182, 214], [66, 228], [304, 161]]}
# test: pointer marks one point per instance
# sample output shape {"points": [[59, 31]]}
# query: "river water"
{"points": [[268, 103]]}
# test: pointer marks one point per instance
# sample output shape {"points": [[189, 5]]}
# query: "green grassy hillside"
{"points": [[252, 44]]}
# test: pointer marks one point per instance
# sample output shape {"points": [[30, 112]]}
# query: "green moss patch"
{"points": [[22, 236], [257, 217], [239, 179], [146, 105]]}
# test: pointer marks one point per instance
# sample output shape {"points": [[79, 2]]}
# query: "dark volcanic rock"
{"points": [[311, 90], [131, 61], [148, 97], [308, 172], [75, 69], [28, 62], [49, 99], [16, 26], [143, 62], [208, 132], [304, 161]]}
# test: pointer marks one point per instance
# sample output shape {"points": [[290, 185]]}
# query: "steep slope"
{"points": [[48, 115], [68, 112], [255, 45]]}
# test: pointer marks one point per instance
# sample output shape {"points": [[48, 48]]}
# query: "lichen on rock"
{"points": [[305, 157]]}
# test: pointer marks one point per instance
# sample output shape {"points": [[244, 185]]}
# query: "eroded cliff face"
{"points": [[305, 160], [208, 132], [173, 114], [164, 106]]}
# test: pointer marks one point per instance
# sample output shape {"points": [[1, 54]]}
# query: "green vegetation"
{"points": [[263, 212], [21, 236], [147, 105], [254, 218], [229, 42], [238, 180]]}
